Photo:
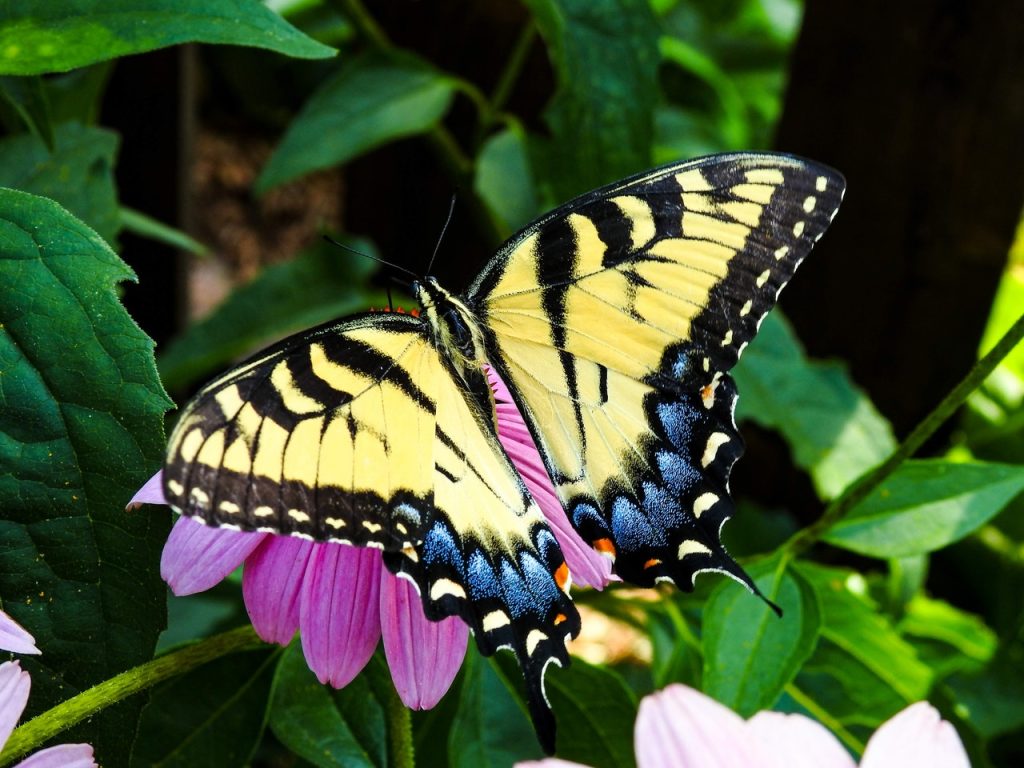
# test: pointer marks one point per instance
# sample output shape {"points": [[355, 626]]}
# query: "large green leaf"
{"points": [[371, 100], [322, 283], [491, 728], [832, 428], [926, 505], [39, 36], [596, 713], [327, 727], [750, 654], [78, 174], [862, 671], [81, 428], [605, 54], [213, 715], [504, 181], [947, 638]]}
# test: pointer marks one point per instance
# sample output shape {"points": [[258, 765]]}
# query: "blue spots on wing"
{"points": [[631, 528], [679, 418], [483, 582], [662, 507], [545, 591], [586, 516], [517, 595], [440, 547], [677, 473]]}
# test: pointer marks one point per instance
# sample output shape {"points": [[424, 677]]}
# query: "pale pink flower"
{"points": [[14, 637], [679, 727], [342, 599], [14, 687]]}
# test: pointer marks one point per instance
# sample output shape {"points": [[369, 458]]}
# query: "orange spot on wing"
{"points": [[560, 618], [562, 576], [604, 546], [651, 563]]}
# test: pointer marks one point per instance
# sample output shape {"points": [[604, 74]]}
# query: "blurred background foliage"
{"points": [[214, 158]]}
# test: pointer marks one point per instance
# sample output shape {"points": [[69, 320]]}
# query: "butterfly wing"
{"points": [[615, 320], [358, 433]]}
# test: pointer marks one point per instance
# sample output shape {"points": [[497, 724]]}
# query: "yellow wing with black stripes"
{"points": [[614, 321], [358, 433]]}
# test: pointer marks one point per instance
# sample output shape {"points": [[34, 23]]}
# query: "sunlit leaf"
{"points": [[40, 36], [750, 653], [925, 505], [372, 100], [831, 426]]}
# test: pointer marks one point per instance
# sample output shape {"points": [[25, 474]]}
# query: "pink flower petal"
{"points": [[14, 688], [339, 613], [14, 638], [679, 727], [152, 492], [272, 584], [587, 567], [549, 762], [196, 557], [424, 656], [61, 756], [917, 737], [795, 741]]}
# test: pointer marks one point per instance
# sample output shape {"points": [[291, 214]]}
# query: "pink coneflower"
{"points": [[342, 599], [680, 727], [14, 637], [14, 688]]}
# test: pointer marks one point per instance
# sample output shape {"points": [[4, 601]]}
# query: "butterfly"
{"points": [[614, 321]]}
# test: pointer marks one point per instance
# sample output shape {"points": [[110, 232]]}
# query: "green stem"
{"points": [[513, 67], [400, 733], [44, 727], [859, 490]]}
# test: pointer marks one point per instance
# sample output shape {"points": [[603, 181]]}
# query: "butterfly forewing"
{"points": [[615, 320]]}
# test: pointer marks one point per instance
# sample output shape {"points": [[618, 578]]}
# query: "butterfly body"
{"points": [[614, 321]]}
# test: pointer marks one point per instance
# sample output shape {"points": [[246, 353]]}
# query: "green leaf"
{"points": [[322, 283], [946, 638], [504, 180], [327, 727], [925, 505], [27, 97], [750, 654], [81, 428], [596, 713], [831, 426], [605, 55], [862, 671], [992, 700], [40, 36], [372, 100], [213, 715], [79, 174], [491, 728]]}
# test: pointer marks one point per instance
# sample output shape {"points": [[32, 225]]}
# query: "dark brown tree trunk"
{"points": [[921, 105]]}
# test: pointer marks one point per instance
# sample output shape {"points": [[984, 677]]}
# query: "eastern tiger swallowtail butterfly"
{"points": [[614, 321]]}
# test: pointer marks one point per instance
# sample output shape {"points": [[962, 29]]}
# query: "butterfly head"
{"points": [[455, 329]]}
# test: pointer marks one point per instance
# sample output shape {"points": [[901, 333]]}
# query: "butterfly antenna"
{"points": [[451, 210], [370, 256]]}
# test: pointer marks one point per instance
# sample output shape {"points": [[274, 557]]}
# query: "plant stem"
{"points": [[860, 489], [400, 733], [44, 727]]}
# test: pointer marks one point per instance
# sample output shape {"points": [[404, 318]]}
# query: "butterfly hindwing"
{"points": [[615, 320], [358, 432]]}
